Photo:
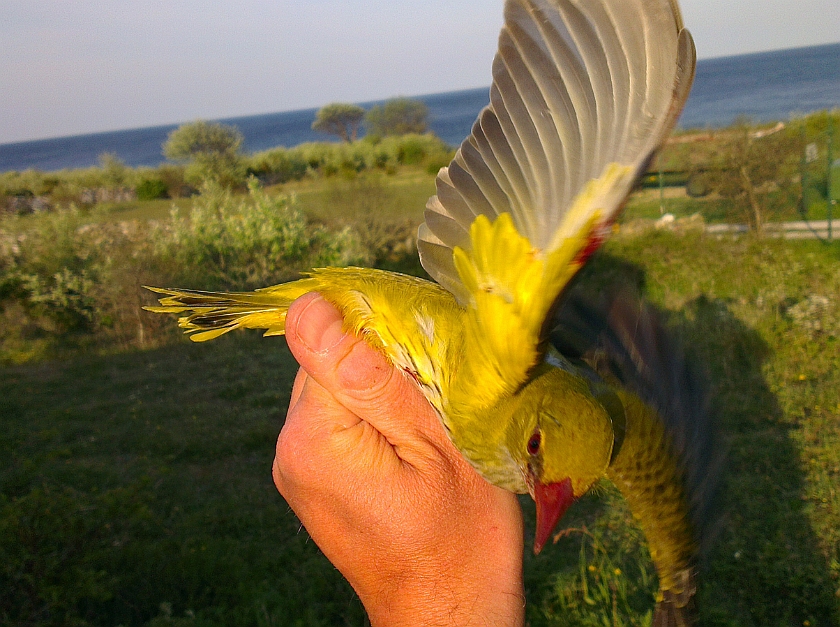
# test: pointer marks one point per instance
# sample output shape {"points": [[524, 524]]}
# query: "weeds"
{"points": [[66, 281]]}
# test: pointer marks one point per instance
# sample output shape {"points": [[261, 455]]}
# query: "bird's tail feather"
{"points": [[211, 314]]}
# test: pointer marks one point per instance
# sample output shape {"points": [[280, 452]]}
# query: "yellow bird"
{"points": [[583, 93]]}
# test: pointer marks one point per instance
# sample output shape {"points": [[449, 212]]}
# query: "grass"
{"points": [[137, 489], [648, 205], [740, 305], [142, 481], [374, 195]]}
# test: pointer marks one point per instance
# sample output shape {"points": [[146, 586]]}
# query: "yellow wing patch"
{"points": [[513, 285]]}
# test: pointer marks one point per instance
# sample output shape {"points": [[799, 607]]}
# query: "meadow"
{"points": [[136, 487]]}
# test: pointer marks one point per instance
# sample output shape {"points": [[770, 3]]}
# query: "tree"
{"points": [[399, 116], [340, 119], [212, 151], [115, 172], [755, 170]]}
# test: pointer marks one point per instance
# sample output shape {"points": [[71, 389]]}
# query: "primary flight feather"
{"points": [[583, 93]]}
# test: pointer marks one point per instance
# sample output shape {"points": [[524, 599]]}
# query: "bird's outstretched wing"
{"points": [[583, 93]]}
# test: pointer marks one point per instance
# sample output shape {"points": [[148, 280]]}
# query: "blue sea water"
{"points": [[763, 87]]}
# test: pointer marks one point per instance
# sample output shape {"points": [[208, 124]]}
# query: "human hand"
{"points": [[365, 463]]}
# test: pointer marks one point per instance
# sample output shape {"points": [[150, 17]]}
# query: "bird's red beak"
{"points": [[552, 499]]}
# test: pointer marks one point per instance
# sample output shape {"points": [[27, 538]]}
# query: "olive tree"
{"points": [[211, 151], [399, 116], [340, 119]]}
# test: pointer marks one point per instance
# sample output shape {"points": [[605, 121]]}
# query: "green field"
{"points": [[137, 486]]}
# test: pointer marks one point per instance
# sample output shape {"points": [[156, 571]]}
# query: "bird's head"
{"points": [[561, 438]]}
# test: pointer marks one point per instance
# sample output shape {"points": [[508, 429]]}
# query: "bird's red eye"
{"points": [[534, 444]]}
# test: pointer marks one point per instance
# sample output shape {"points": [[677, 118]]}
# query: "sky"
{"points": [[81, 66]]}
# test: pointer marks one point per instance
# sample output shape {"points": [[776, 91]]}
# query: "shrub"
{"points": [[698, 186], [399, 116], [211, 150], [173, 177], [411, 152], [49, 272], [152, 189], [244, 243], [382, 153], [277, 166], [65, 282], [114, 171]]}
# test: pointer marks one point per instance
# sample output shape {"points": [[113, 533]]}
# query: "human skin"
{"points": [[366, 465]]}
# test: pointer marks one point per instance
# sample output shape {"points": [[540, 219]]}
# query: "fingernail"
{"points": [[320, 326]]}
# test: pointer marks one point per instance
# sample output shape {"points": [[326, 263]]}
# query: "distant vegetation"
{"points": [[754, 173], [211, 151], [745, 173], [113, 182], [400, 116], [70, 275], [340, 119]]}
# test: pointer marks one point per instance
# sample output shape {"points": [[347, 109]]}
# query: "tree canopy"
{"points": [[339, 118], [212, 151], [399, 116]]}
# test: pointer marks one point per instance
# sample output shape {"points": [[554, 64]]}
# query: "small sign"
{"points": [[811, 153]]}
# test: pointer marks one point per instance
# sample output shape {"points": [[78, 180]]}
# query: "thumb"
{"points": [[358, 376]]}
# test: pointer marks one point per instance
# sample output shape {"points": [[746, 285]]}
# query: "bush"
{"points": [[114, 172], [399, 116], [29, 182], [66, 283], [211, 150], [277, 166], [698, 185], [173, 177], [244, 243], [411, 152], [373, 153], [152, 189]]}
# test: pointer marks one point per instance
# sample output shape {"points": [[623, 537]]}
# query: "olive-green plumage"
{"points": [[584, 92], [649, 476]]}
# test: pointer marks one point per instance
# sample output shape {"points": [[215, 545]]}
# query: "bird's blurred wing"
{"points": [[584, 91], [627, 342]]}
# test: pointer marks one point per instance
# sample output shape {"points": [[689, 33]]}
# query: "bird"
{"points": [[583, 94]]}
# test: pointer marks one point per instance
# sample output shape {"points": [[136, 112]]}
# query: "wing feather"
{"points": [[583, 92], [496, 149], [481, 170], [578, 85]]}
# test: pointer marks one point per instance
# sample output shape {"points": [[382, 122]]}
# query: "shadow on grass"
{"points": [[767, 568]]}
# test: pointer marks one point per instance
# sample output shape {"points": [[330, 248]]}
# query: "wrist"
{"points": [[489, 597]]}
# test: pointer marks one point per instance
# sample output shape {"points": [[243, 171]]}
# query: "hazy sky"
{"points": [[80, 66]]}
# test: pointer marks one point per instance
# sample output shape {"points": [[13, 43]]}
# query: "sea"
{"points": [[762, 87]]}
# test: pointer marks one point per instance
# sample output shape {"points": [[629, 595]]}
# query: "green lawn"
{"points": [[137, 487]]}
